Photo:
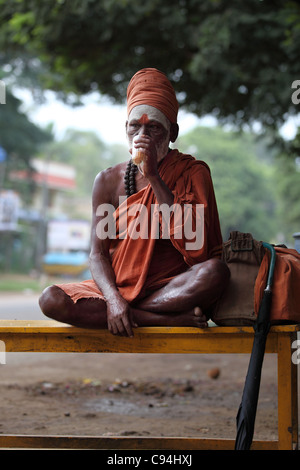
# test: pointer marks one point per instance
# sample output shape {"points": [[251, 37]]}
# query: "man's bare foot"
{"points": [[194, 317]]}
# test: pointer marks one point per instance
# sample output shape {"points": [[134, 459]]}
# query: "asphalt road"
{"points": [[21, 306]]}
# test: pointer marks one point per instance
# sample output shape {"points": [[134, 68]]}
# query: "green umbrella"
{"points": [[247, 411]]}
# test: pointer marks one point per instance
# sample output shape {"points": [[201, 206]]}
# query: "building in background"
{"points": [[44, 237], [54, 181], [9, 210], [68, 246]]}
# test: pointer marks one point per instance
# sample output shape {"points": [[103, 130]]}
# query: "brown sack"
{"points": [[243, 256], [285, 307]]}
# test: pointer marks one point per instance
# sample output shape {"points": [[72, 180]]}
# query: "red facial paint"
{"points": [[144, 119]]}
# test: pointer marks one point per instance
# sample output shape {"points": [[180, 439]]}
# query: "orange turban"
{"points": [[152, 87]]}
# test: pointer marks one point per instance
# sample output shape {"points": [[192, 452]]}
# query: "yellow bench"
{"points": [[51, 336]]}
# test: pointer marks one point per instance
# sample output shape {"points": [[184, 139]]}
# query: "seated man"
{"points": [[144, 275]]}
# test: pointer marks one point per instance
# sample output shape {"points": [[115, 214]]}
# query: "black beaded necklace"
{"points": [[129, 178]]}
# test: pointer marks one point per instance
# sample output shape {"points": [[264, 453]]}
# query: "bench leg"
{"points": [[287, 395]]}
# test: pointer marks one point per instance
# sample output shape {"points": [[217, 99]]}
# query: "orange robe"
{"points": [[146, 263]]}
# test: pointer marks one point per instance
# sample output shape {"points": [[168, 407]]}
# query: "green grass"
{"points": [[17, 283], [21, 282], [13, 282]]}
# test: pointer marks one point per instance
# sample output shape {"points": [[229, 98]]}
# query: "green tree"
{"points": [[21, 139], [236, 60], [288, 188]]}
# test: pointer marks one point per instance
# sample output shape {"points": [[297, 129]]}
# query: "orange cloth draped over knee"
{"points": [[151, 87], [145, 254]]}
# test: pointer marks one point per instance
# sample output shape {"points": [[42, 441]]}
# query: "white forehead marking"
{"points": [[153, 114]]}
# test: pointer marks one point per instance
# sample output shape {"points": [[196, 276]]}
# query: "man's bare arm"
{"points": [[118, 311]]}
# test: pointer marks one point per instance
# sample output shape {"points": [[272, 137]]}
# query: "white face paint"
{"points": [[145, 114], [153, 114]]}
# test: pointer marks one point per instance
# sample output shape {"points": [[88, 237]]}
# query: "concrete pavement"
{"points": [[20, 306]]}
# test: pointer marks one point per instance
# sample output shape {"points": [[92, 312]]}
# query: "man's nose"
{"points": [[143, 130]]}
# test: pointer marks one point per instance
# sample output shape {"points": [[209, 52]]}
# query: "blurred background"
{"points": [[64, 70]]}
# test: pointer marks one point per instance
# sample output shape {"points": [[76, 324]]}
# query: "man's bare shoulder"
{"points": [[109, 183]]}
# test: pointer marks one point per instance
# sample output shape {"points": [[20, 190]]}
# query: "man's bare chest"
{"points": [[120, 186]]}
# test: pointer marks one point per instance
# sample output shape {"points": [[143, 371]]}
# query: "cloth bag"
{"points": [[248, 262], [285, 307], [243, 256]]}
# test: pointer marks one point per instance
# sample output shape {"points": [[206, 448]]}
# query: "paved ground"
{"points": [[20, 306]]}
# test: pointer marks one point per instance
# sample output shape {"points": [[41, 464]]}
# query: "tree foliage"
{"points": [[236, 60], [288, 188], [19, 136], [21, 139]]}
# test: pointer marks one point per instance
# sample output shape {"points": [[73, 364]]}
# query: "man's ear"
{"points": [[174, 132]]}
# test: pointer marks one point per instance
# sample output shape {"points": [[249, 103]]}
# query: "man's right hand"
{"points": [[120, 318]]}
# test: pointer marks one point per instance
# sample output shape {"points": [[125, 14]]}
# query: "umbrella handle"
{"points": [[272, 265]]}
